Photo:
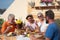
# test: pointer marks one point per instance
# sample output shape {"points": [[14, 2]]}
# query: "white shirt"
{"points": [[43, 26]]}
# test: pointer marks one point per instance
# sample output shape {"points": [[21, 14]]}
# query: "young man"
{"points": [[30, 24], [52, 32]]}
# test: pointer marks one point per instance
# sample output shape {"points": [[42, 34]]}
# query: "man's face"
{"points": [[47, 20], [30, 19]]}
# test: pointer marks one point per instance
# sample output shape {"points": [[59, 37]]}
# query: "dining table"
{"points": [[20, 37]]}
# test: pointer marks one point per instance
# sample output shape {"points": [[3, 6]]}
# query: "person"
{"points": [[42, 23], [52, 32], [30, 24], [19, 25], [9, 25]]}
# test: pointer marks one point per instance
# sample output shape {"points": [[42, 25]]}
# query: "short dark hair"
{"points": [[29, 16], [50, 14]]}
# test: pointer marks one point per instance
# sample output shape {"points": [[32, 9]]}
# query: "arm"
{"points": [[4, 26], [37, 29], [7, 29]]}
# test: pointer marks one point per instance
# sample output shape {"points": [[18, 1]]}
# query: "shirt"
{"points": [[52, 32], [7, 24], [43, 26], [31, 26]]}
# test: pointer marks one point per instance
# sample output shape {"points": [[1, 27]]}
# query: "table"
{"points": [[20, 37], [32, 37], [7, 38]]}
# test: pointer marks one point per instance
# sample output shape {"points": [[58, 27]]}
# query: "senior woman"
{"points": [[42, 23], [9, 25]]}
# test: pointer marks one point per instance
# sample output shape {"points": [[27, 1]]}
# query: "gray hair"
{"points": [[11, 16], [39, 14]]}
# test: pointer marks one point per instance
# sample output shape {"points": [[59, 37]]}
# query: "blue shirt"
{"points": [[52, 32]]}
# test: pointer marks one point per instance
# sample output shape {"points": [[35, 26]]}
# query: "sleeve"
{"points": [[39, 24], [27, 24], [4, 26], [50, 31]]}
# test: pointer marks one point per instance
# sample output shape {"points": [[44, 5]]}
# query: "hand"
{"points": [[8, 28]]}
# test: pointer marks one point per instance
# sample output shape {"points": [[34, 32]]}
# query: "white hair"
{"points": [[11, 16]]}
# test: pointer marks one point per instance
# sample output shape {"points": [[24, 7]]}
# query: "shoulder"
{"points": [[27, 23], [6, 22], [53, 26]]}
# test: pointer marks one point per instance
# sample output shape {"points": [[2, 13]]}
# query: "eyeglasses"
{"points": [[39, 16]]}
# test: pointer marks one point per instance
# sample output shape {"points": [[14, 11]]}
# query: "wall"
{"points": [[18, 8], [34, 12]]}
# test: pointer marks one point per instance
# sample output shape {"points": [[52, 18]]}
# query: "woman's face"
{"points": [[40, 17]]}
